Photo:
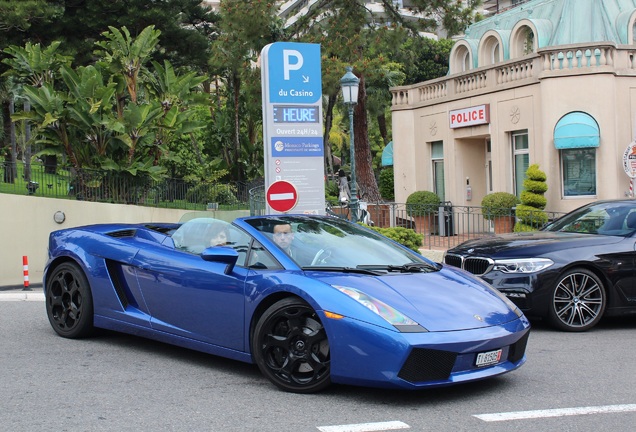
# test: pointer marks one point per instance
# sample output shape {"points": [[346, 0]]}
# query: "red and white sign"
{"points": [[282, 196], [629, 160], [472, 116]]}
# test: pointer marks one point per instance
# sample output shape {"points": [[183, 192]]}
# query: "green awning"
{"points": [[576, 130], [387, 155]]}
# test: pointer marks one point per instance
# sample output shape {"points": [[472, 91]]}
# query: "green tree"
{"points": [[348, 37], [116, 115], [187, 25], [245, 28]]}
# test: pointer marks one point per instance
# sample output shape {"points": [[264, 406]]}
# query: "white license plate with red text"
{"points": [[488, 358]]}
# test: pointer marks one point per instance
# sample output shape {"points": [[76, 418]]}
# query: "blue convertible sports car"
{"points": [[310, 299]]}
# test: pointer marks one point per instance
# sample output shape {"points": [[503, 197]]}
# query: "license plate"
{"points": [[488, 358]]}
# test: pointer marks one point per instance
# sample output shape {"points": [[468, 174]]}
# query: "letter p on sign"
{"points": [[287, 54]]}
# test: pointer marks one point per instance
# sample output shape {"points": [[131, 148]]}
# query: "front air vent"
{"points": [[518, 349], [475, 265], [453, 260], [427, 365], [123, 233], [478, 266]]}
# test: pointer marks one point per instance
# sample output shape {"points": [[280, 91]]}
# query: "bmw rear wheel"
{"points": [[69, 303], [578, 301], [290, 347]]}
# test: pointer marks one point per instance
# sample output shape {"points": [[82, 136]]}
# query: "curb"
{"points": [[21, 296]]}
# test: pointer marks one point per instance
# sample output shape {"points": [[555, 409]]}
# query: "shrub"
{"points": [[533, 200], [206, 193], [404, 236], [385, 184], [530, 214], [498, 204], [535, 186], [422, 203], [534, 173], [331, 192]]}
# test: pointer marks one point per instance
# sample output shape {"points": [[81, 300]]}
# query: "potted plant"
{"points": [[422, 206], [498, 207]]}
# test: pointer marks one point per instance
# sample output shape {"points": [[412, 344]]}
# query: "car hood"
{"points": [[446, 300], [530, 244]]}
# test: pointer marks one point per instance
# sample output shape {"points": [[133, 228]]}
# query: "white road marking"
{"points": [[560, 412], [365, 427]]}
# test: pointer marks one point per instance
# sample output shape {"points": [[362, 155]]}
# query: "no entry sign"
{"points": [[282, 196]]}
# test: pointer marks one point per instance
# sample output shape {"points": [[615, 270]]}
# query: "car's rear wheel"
{"points": [[69, 303], [578, 301], [290, 347]]}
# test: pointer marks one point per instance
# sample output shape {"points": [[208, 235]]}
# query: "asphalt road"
{"points": [[116, 382]]}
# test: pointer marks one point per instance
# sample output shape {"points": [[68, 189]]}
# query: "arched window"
{"points": [[490, 51], [522, 41], [576, 136], [461, 58]]}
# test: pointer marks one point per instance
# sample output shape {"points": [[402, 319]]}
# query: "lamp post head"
{"points": [[349, 83]]}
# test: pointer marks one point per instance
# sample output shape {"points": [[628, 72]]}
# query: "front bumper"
{"points": [[366, 355]]}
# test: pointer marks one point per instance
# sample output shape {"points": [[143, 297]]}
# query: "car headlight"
{"points": [[522, 265], [388, 313]]}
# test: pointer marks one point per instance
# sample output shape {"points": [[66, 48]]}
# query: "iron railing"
{"points": [[442, 226], [120, 188]]}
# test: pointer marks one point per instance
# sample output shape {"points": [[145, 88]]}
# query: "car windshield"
{"points": [[326, 242], [609, 218]]}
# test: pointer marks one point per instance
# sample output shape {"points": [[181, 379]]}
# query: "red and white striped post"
{"points": [[25, 270]]}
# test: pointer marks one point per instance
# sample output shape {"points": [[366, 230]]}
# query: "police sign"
{"points": [[629, 160]]}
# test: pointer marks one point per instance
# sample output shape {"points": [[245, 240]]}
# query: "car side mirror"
{"points": [[221, 254]]}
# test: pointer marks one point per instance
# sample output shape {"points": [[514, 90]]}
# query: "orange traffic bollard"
{"points": [[25, 267]]}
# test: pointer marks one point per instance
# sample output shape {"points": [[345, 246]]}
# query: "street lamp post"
{"points": [[349, 83]]}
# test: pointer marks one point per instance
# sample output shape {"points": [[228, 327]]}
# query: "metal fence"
{"points": [[442, 226], [121, 188]]}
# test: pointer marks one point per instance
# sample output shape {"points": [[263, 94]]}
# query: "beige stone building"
{"points": [[551, 82]]}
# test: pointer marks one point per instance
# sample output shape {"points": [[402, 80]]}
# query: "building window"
{"points": [[579, 171], [521, 159], [490, 51], [437, 157], [576, 137]]}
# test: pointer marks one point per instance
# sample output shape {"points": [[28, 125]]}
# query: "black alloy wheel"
{"points": [[69, 303], [578, 301], [290, 347]]}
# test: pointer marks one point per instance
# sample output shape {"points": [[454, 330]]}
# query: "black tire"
{"points": [[290, 347], [578, 301], [69, 302]]}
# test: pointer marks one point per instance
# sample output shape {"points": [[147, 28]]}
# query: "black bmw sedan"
{"points": [[573, 271]]}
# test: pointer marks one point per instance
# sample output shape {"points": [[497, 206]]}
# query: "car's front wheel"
{"points": [[578, 301], [69, 303], [290, 347]]}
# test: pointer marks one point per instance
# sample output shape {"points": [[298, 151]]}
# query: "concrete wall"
{"points": [[26, 221]]}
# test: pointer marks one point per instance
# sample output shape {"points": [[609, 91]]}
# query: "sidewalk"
{"points": [[433, 254]]}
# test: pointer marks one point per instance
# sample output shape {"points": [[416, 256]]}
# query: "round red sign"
{"points": [[282, 196]]}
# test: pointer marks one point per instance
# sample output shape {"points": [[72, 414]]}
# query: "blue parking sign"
{"points": [[294, 73]]}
